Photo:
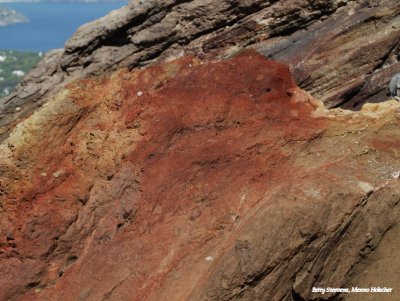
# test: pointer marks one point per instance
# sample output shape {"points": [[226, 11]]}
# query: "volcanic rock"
{"points": [[343, 52], [222, 180]]}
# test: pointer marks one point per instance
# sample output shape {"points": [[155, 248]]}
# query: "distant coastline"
{"points": [[51, 23], [13, 66], [10, 16]]}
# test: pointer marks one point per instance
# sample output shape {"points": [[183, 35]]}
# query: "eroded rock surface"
{"points": [[195, 180], [342, 51]]}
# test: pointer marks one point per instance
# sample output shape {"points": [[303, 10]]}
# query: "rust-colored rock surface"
{"points": [[196, 180], [343, 52]]}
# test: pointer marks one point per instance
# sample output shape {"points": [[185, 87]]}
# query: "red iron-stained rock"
{"points": [[193, 180], [343, 52]]}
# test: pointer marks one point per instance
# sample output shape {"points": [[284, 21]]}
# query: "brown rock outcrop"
{"points": [[341, 51], [195, 180]]}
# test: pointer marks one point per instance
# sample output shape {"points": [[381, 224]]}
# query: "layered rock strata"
{"points": [[342, 51], [196, 180]]}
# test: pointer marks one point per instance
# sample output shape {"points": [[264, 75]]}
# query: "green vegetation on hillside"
{"points": [[13, 65]]}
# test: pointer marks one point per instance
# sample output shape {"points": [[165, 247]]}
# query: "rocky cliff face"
{"points": [[342, 51], [194, 180], [212, 176]]}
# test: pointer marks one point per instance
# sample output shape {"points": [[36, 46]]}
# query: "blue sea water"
{"points": [[51, 24]]}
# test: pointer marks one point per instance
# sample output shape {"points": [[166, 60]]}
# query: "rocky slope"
{"points": [[196, 180], [342, 51], [211, 176]]}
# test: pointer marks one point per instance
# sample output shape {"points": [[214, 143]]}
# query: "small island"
{"points": [[10, 16]]}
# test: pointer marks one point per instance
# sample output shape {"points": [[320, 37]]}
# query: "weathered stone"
{"points": [[343, 52], [221, 181], [347, 59]]}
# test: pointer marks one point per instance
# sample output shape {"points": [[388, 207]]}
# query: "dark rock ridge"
{"points": [[152, 159], [343, 52], [198, 180]]}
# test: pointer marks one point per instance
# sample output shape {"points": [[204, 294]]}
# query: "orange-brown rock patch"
{"points": [[190, 180]]}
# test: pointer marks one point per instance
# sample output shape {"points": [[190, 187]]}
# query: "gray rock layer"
{"points": [[343, 52]]}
